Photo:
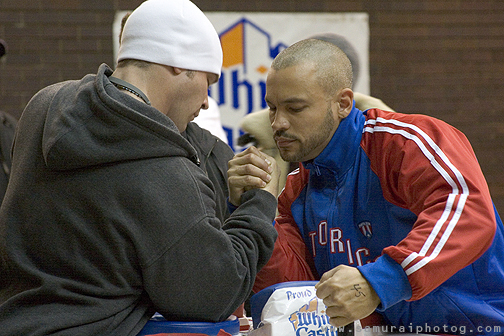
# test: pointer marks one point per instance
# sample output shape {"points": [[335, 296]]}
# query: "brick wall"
{"points": [[442, 58]]}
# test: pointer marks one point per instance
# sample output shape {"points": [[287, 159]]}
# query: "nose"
{"points": [[278, 121], [205, 104]]}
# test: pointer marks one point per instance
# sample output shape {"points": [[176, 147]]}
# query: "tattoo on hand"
{"points": [[357, 288]]}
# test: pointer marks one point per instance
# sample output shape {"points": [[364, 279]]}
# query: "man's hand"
{"points": [[252, 169], [347, 295]]}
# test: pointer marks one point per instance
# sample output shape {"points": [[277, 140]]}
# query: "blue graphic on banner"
{"points": [[248, 53]]}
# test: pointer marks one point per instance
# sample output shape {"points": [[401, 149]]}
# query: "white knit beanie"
{"points": [[174, 33]]}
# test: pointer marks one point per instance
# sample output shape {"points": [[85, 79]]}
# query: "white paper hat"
{"points": [[174, 33]]}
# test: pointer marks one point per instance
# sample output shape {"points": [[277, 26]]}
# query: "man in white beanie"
{"points": [[107, 217]]}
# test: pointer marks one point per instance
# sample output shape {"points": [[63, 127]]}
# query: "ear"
{"points": [[177, 71], [345, 101]]}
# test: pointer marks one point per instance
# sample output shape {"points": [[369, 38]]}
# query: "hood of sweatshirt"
{"points": [[90, 122]]}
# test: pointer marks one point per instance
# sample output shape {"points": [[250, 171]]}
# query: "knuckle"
{"points": [[249, 179], [247, 169]]}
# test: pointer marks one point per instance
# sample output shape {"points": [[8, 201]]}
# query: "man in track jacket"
{"points": [[390, 211]]}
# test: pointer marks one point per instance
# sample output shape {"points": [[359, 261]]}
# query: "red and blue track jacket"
{"points": [[401, 197]]}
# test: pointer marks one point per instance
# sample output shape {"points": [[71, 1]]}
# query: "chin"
{"points": [[288, 156]]}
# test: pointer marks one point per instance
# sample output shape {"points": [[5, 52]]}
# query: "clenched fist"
{"points": [[252, 169], [347, 295]]}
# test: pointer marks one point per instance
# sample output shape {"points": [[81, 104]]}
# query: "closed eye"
{"points": [[296, 109]]}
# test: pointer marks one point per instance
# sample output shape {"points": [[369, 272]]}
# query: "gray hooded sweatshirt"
{"points": [[108, 218]]}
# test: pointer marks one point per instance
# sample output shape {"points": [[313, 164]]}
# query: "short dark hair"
{"points": [[334, 70], [347, 47], [133, 62]]}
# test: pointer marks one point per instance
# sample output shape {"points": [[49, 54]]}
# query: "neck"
{"points": [[155, 81], [136, 77], [128, 87]]}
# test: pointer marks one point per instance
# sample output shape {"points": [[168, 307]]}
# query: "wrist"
{"points": [[388, 280]]}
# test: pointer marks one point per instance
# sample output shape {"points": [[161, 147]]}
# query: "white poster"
{"points": [[250, 42]]}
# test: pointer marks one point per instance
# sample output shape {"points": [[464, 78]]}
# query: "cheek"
{"points": [[302, 126], [197, 96], [203, 91]]}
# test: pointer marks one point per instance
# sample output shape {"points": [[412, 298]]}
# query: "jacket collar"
{"points": [[339, 155]]}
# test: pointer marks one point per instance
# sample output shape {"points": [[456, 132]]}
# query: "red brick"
{"points": [[442, 58]]}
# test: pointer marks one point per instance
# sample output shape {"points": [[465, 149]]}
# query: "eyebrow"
{"points": [[292, 100]]}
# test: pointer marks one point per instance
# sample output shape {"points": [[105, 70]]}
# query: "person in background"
{"points": [[256, 125], [108, 218], [390, 212], [7, 128]]}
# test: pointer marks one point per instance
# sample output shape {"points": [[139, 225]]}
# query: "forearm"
{"points": [[209, 272], [429, 168], [251, 224]]}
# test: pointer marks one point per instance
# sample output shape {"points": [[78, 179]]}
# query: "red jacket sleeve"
{"points": [[429, 167], [291, 260]]}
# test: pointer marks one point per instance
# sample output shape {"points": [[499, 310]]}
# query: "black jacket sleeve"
{"points": [[204, 272]]}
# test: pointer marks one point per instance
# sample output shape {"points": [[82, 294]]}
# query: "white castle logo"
{"points": [[309, 320]]}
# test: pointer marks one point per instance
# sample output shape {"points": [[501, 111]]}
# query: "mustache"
{"points": [[283, 134]]}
